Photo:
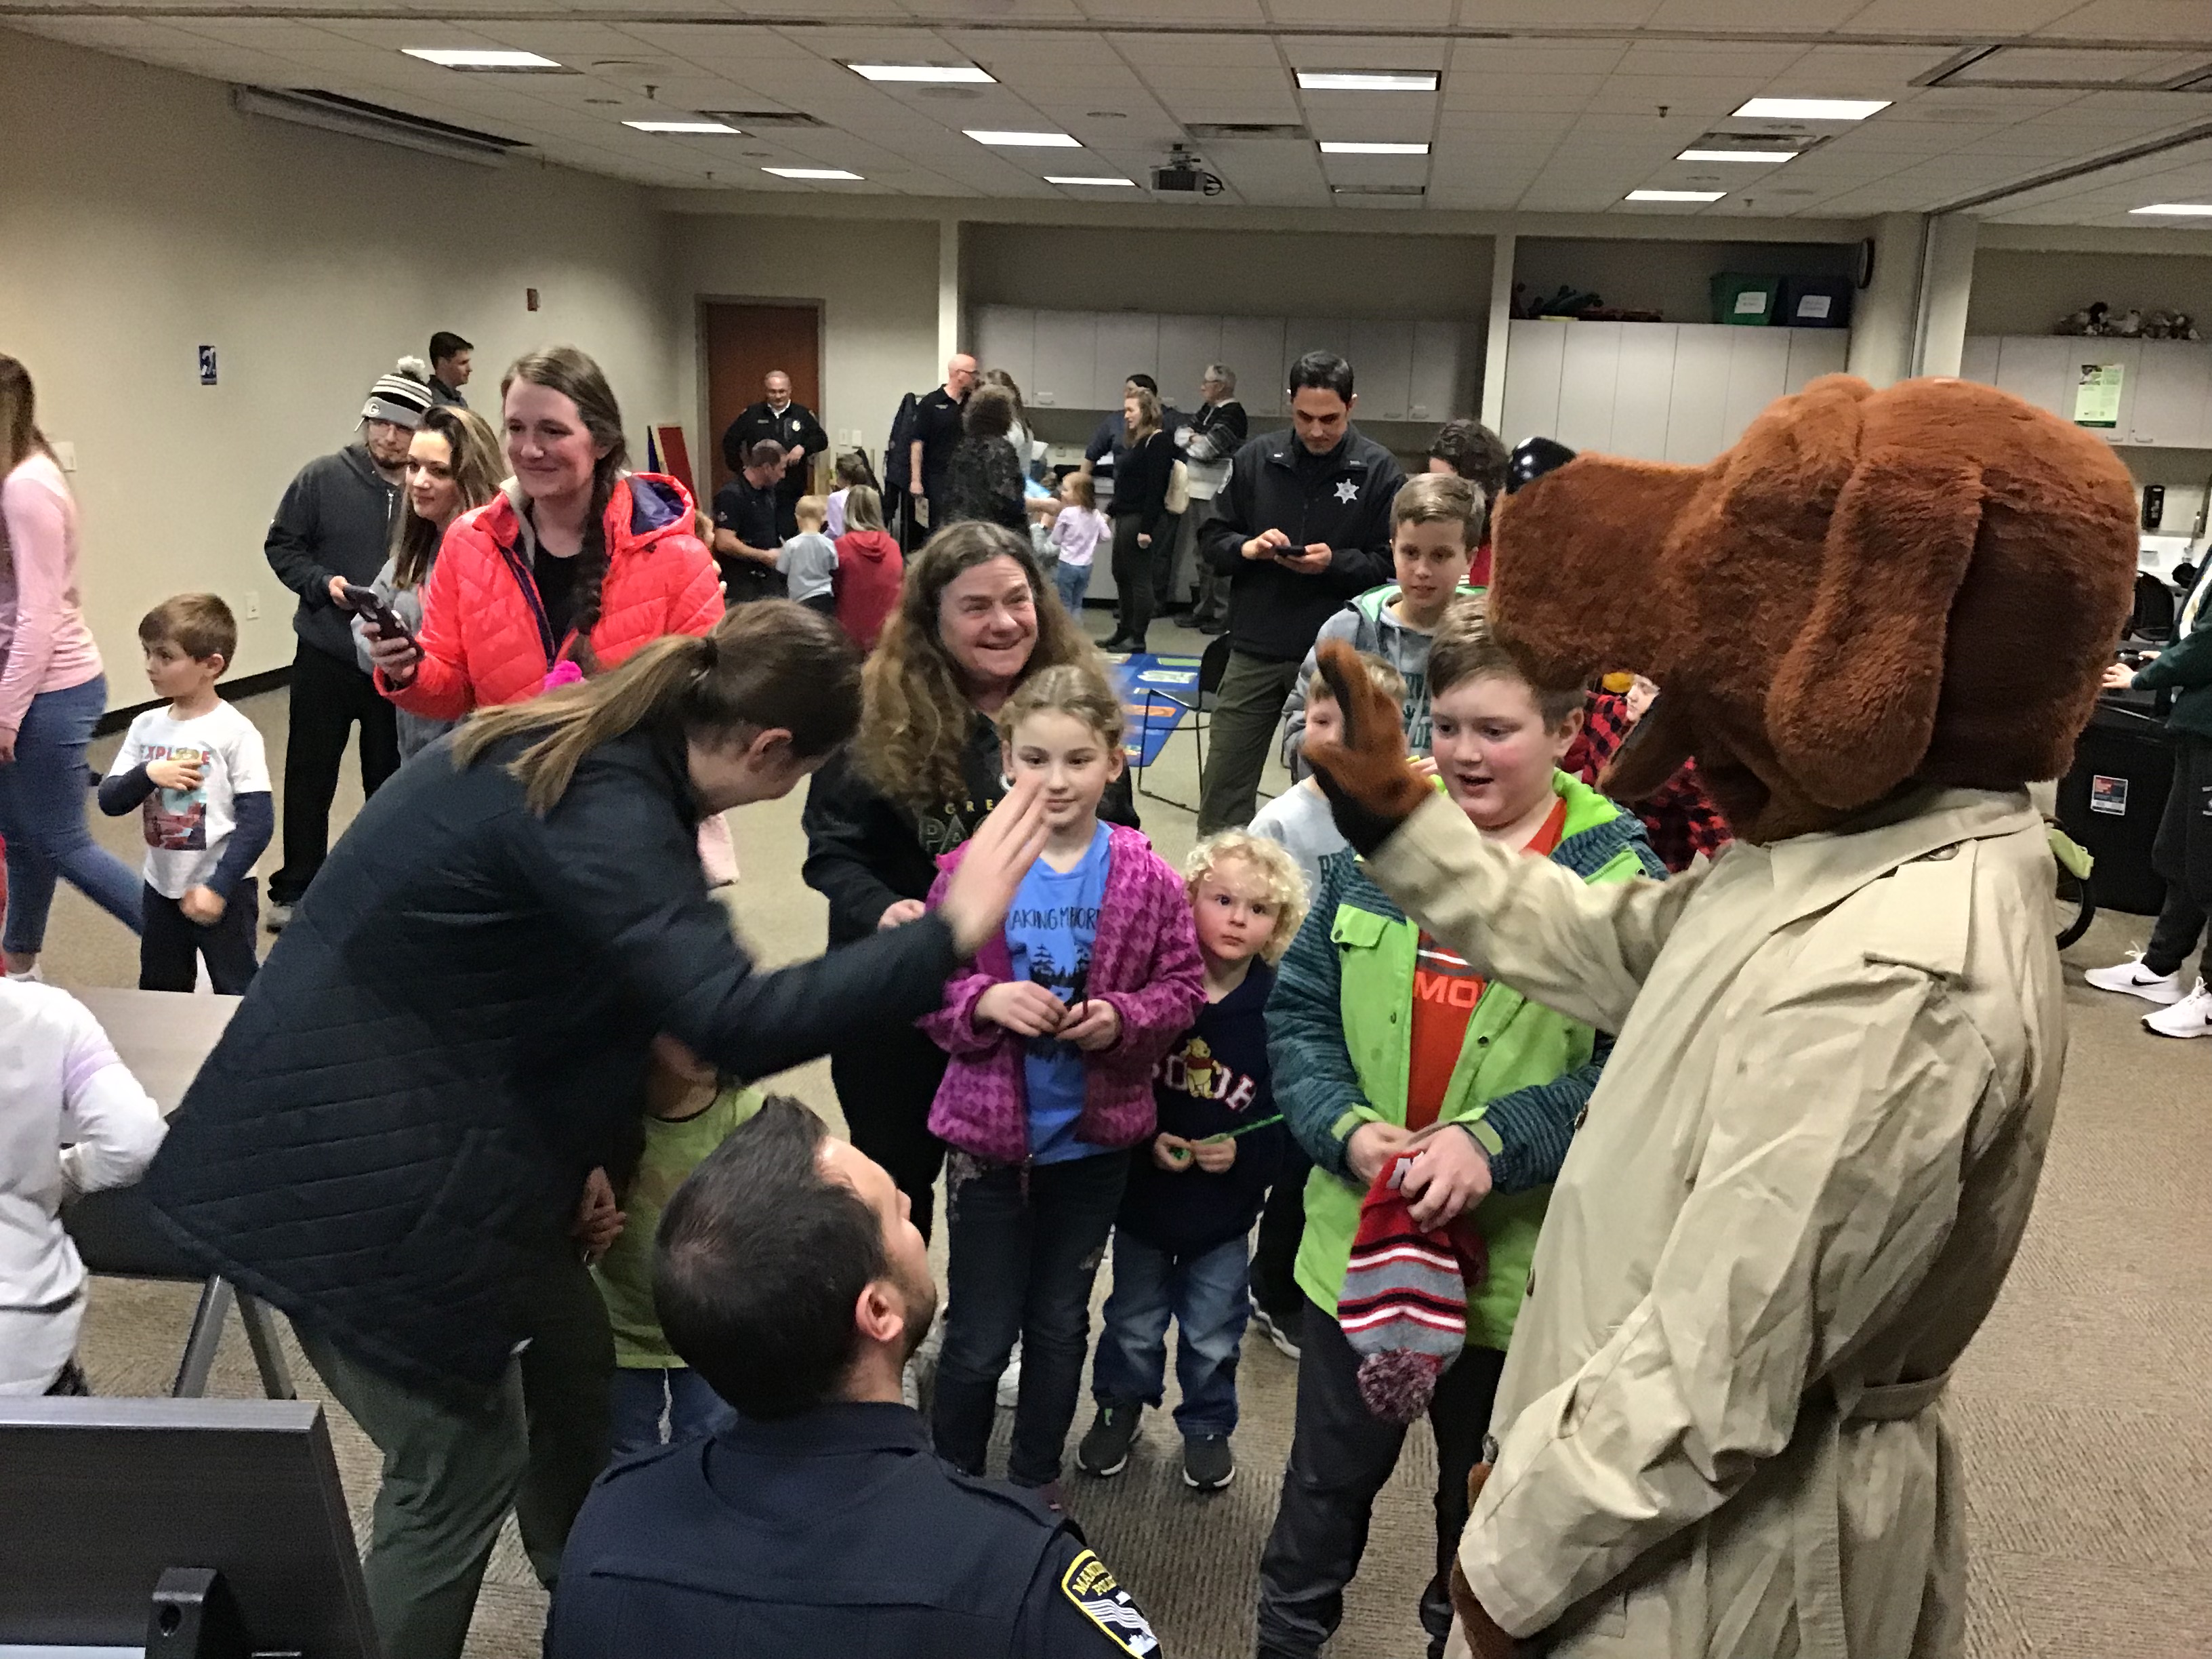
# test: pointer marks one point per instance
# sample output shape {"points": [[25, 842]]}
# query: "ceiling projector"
{"points": [[1184, 174]]}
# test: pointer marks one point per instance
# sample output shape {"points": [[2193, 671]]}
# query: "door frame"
{"points": [[702, 369]]}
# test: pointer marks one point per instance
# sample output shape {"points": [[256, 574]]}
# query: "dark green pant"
{"points": [[1240, 732], [454, 1466]]}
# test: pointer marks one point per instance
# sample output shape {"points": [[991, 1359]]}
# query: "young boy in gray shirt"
{"points": [[809, 560], [1299, 817]]}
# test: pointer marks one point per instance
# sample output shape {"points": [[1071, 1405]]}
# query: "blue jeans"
{"points": [[1025, 1249], [42, 819], [1206, 1295], [1074, 581], [642, 1394]]}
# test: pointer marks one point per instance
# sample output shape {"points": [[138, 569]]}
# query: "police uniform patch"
{"points": [[1101, 1599]]}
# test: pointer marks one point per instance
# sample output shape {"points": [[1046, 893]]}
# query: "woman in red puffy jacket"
{"points": [[577, 560]]}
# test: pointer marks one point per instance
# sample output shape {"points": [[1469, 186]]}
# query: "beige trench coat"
{"points": [[1793, 1200]]}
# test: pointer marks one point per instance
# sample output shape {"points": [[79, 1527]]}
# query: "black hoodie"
{"points": [[335, 521]]}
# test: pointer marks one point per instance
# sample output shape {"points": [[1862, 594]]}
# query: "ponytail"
{"points": [[767, 666]]}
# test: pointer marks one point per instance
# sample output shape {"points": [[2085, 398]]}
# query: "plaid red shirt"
{"points": [[1681, 819]]}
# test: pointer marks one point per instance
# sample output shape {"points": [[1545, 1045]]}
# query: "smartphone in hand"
{"points": [[364, 602]]}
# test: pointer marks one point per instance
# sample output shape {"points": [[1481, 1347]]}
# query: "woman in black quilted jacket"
{"points": [[987, 476], [390, 1139]]}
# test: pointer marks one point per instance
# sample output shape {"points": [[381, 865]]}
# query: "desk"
{"points": [[163, 1036]]}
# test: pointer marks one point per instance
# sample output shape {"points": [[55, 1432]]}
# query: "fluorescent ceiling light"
{"points": [[1812, 109], [1062, 179], [1368, 80], [1737, 155], [478, 58], [1333, 147], [2178, 209], [1674, 196], [1022, 140], [939, 73], [814, 173], [681, 126]]}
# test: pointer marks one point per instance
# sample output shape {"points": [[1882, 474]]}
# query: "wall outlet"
{"points": [[252, 605], [64, 453]]}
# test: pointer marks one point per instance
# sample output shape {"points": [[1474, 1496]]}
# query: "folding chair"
{"points": [[1198, 705]]}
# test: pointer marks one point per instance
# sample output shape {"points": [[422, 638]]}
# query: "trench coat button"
{"points": [[1530, 1288], [1582, 1117]]}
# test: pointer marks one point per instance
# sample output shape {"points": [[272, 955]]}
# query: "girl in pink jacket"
{"points": [[1054, 1032]]}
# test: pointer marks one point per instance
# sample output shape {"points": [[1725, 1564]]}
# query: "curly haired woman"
{"points": [[975, 620]]}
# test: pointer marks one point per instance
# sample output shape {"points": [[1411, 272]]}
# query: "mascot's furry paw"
{"points": [[1371, 789], [1484, 1639]]}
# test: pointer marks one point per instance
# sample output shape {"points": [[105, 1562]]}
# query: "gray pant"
{"points": [[1240, 733], [454, 1465]]}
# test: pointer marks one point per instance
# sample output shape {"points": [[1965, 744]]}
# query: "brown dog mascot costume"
{"points": [[1799, 1185]]}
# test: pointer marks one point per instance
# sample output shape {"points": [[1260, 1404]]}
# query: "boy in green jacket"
{"points": [[1381, 1042]]}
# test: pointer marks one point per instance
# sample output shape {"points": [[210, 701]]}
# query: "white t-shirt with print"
{"points": [[185, 828]]}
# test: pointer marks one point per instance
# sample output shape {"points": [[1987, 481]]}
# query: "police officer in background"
{"points": [[793, 430], [822, 1524]]}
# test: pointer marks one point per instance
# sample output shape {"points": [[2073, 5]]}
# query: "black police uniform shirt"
{"points": [[749, 513], [833, 1533], [792, 427], [938, 423]]}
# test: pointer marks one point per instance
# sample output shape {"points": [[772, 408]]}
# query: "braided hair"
{"points": [[567, 370]]}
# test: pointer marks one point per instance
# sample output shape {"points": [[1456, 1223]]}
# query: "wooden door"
{"points": [[745, 345]]}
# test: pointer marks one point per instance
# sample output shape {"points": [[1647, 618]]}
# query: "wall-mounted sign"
{"points": [[2097, 396], [207, 365]]}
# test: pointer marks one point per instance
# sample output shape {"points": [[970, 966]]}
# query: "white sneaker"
{"points": [[2131, 978], [2191, 1017], [1010, 1382]]}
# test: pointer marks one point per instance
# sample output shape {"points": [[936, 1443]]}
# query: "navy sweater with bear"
{"points": [[1213, 1080]]}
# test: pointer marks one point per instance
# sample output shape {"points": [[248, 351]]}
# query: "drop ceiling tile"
{"points": [[1475, 92], [1227, 52], [1537, 14], [1519, 57], [2143, 20], [1305, 52], [1399, 14], [1708, 58], [1762, 16], [1122, 14]]}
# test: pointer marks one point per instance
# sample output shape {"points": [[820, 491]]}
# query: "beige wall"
{"points": [[1230, 272], [2024, 291], [141, 216], [877, 285]]}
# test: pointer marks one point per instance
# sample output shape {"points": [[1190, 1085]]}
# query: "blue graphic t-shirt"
{"points": [[1049, 931]]}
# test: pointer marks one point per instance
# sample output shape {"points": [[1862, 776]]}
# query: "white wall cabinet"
{"points": [[1079, 360], [2166, 385], [1655, 391], [1065, 358]]}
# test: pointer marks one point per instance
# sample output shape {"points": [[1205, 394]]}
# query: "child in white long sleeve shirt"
{"points": [[72, 1119]]}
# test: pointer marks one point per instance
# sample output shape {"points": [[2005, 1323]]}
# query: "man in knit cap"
{"points": [[334, 526]]}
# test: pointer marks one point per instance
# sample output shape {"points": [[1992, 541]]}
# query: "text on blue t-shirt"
{"points": [[1049, 931]]}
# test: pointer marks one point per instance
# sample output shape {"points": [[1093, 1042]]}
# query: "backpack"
{"points": [[898, 453]]}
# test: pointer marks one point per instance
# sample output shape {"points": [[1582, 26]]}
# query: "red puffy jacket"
{"points": [[485, 640]]}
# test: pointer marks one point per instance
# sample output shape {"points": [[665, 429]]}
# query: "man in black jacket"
{"points": [[1303, 525], [334, 526], [793, 428]]}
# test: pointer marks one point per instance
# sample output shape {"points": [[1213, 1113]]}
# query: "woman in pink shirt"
{"points": [[51, 691]]}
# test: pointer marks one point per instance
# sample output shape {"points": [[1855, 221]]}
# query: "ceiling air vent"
{"points": [[310, 107], [2075, 68], [761, 120], [1799, 141], [1217, 131], [1379, 189]]}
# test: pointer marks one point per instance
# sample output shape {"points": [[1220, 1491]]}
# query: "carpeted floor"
{"points": [[2082, 1411]]}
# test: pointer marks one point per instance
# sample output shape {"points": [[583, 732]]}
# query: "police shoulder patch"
{"points": [[1098, 1595]]}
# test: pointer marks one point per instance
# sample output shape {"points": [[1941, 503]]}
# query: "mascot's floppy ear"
{"points": [[1852, 708]]}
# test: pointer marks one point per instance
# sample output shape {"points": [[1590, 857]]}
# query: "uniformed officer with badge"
{"points": [[789, 1275], [776, 419]]}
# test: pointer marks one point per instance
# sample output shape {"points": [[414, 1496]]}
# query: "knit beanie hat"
{"points": [[1403, 1307], [402, 397]]}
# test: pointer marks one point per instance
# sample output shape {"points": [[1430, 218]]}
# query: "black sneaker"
{"points": [[1208, 1465], [1277, 1331], [1105, 1449]]}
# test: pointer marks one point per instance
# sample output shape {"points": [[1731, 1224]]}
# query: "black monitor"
{"points": [[98, 1497]]}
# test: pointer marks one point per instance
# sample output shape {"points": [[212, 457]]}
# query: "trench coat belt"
{"points": [[1822, 1630]]}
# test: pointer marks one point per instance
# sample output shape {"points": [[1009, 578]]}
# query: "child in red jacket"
{"points": [[871, 569]]}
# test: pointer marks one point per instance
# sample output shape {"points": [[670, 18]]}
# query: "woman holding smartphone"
{"points": [[389, 1140], [453, 466]]}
